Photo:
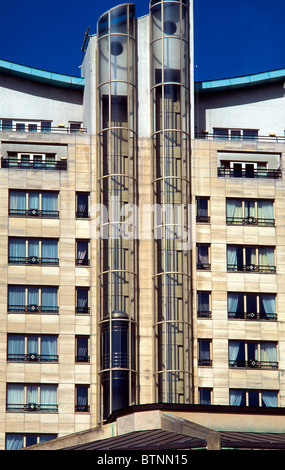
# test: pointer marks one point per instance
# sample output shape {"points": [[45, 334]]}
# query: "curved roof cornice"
{"points": [[42, 76], [243, 81]]}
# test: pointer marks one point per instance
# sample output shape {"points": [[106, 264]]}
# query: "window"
{"points": [[32, 299], [31, 398], [34, 161], [46, 126], [266, 398], [251, 259], [82, 300], [205, 396], [7, 125], [32, 348], [250, 212], [203, 255], [204, 352], [33, 251], [81, 397], [251, 306], [252, 354], [82, 205], [74, 127], [82, 347], [235, 134], [82, 248], [33, 203], [203, 309], [15, 441], [202, 209]]}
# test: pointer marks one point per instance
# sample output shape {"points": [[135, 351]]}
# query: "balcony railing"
{"points": [[82, 215], [252, 268], [252, 364], [14, 407], [33, 260], [33, 357], [256, 173], [33, 213], [32, 309], [205, 362], [81, 358], [204, 314], [82, 309], [82, 262], [82, 408], [33, 165], [250, 221], [252, 316], [204, 266], [43, 130], [204, 219], [241, 138]]}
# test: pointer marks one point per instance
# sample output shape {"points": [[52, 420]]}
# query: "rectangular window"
{"points": [[33, 251], [81, 397], [45, 126], [202, 215], [82, 348], [204, 352], [259, 259], [33, 204], [32, 348], [31, 398], [23, 299], [74, 127], [7, 125], [203, 309], [82, 205], [82, 249], [251, 354], [250, 212], [266, 398], [203, 256], [82, 300], [15, 441], [205, 396]]}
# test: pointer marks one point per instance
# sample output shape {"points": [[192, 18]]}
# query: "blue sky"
{"points": [[231, 38]]}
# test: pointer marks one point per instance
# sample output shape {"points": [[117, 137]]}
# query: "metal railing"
{"points": [[14, 407], [32, 309], [250, 221], [252, 268], [80, 358], [82, 215], [33, 213], [43, 130], [254, 138], [82, 309], [82, 408], [204, 266], [33, 260], [204, 314], [33, 165], [203, 219], [82, 262], [252, 316], [205, 362], [254, 364], [255, 173], [32, 357]]}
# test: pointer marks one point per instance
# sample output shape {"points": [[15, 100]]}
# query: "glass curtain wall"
{"points": [[169, 30], [117, 188]]}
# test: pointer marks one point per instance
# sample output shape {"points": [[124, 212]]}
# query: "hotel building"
{"points": [[142, 240]]}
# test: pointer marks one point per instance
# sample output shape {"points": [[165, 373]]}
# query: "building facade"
{"points": [[142, 233]]}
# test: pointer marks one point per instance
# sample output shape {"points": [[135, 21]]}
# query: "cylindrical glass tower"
{"points": [[169, 29], [117, 187]]}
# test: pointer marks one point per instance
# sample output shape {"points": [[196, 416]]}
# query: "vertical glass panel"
{"points": [[156, 22], [171, 19], [17, 202], [16, 347], [172, 59], [119, 20], [119, 57], [103, 54], [157, 62], [103, 25]]}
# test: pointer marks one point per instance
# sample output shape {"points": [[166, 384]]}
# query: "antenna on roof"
{"points": [[85, 39]]}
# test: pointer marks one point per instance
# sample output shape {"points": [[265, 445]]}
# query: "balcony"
{"points": [[33, 213], [254, 364], [252, 316], [31, 407], [33, 260], [253, 173], [250, 221], [252, 268], [241, 137], [32, 309], [14, 163], [33, 357]]}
